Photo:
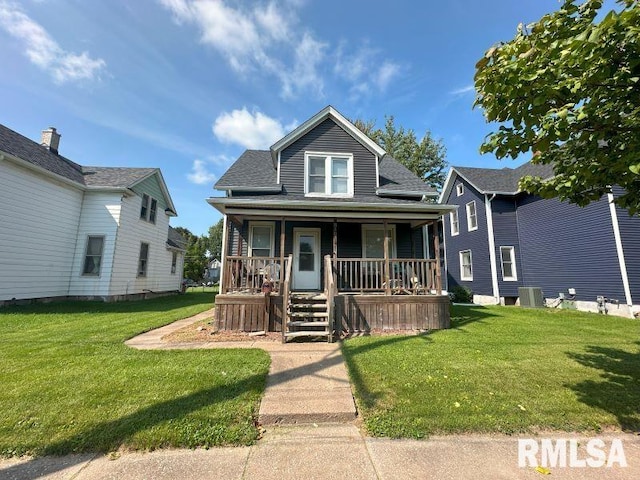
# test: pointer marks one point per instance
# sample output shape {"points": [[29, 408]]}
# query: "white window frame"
{"points": [[86, 254], [141, 272], [174, 262], [376, 226], [474, 216], [328, 161], [512, 255], [459, 189], [272, 228], [148, 208], [462, 275], [454, 215]]}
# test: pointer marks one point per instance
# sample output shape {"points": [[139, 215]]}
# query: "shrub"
{"points": [[459, 294]]}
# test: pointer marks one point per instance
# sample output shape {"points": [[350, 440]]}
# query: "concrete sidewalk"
{"points": [[326, 452]]}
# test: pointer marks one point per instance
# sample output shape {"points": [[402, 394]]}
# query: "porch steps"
{"points": [[307, 316]]}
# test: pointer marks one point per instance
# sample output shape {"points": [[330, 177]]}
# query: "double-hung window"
{"points": [[466, 265], [148, 208], [261, 239], [508, 260], [93, 255], [328, 174], [143, 259], [472, 217], [455, 224], [174, 262]]}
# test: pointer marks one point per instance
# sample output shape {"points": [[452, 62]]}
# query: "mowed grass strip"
{"points": [[501, 370], [69, 384]]}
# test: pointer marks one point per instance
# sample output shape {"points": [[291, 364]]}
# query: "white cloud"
{"points": [[385, 74], [200, 174], [44, 51], [304, 75], [251, 130], [463, 90]]}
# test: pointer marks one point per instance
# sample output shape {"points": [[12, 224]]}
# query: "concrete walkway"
{"points": [[307, 390], [328, 451]]}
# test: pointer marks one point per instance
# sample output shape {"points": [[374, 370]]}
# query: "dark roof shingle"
{"points": [[114, 176], [254, 168], [505, 180]]}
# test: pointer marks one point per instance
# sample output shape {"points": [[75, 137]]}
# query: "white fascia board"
{"points": [[274, 189], [322, 115], [446, 189], [492, 248], [381, 192], [619, 249]]}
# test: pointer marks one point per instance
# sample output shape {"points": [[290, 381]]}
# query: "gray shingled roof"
{"points": [[254, 168], [265, 199], [505, 180], [26, 149], [19, 146], [395, 176], [114, 176], [175, 239]]}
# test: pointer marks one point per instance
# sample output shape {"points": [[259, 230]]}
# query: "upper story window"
{"points": [[261, 239], [148, 209], [328, 174], [93, 255], [472, 217], [459, 189], [455, 224]]}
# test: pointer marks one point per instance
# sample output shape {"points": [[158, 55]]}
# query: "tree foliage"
{"points": [[426, 158], [566, 90], [215, 240], [195, 258]]}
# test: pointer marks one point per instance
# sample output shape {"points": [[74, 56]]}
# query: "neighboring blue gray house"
{"points": [[501, 239]]}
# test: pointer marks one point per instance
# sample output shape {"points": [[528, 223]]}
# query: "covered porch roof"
{"points": [[296, 207]]}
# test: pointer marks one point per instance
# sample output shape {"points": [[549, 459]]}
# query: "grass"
{"points": [[69, 384], [501, 370]]}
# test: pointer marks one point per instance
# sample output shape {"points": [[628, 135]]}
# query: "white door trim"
{"points": [[297, 232]]}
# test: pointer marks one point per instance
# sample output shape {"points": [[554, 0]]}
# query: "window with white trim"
{"points": [[508, 261], [455, 224], [148, 209], [261, 239], [93, 256], [466, 265], [143, 259], [174, 262], [373, 241], [472, 217], [459, 189], [328, 174]]}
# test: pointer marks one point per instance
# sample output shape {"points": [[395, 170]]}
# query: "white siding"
{"points": [[100, 216], [38, 228], [132, 232]]}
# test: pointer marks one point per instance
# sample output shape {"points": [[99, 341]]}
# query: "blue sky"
{"points": [[188, 85]]}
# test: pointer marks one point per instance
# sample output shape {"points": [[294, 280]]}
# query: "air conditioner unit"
{"points": [[531, 297]]}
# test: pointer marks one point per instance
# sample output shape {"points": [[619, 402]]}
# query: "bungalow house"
{"points": [[71, 231], [324, 233], [501, 240]]}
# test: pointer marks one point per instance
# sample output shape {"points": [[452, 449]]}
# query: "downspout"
{"points": [[492, 247], [620, 250]]}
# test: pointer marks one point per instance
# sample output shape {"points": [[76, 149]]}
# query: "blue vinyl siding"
{"points": [[327, 137], [505, 234], [630, 236], [564, 246], [476, 241]]}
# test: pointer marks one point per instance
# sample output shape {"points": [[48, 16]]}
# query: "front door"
{"points": [[306, 259]]}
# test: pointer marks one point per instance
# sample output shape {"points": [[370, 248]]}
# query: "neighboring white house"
{"points": [[68, 230]]}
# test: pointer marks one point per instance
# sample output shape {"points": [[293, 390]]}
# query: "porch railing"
{"points": [[250, 274], [393, 276]]}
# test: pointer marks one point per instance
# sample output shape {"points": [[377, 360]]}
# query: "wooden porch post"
{"points": [[282, 268], [225, 242], [335, 238], [387, 265], [436, 247]]}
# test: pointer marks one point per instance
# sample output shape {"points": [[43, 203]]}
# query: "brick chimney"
{"points": [[50, 139]]}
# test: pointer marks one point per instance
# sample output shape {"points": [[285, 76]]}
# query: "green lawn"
{"points": [[69, 384], [501, 369]]}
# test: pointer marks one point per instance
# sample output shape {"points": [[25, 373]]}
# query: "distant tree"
{"points": [[215, 239], [567, 91], [426, 158], [195, 258]]}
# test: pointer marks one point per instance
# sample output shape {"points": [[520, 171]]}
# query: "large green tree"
{"points": [[215, 240], [566, 91], [195, 258], [426, 158]]}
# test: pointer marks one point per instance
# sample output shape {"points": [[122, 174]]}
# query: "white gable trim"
{"points": [[321, 116], [163, 187]]}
